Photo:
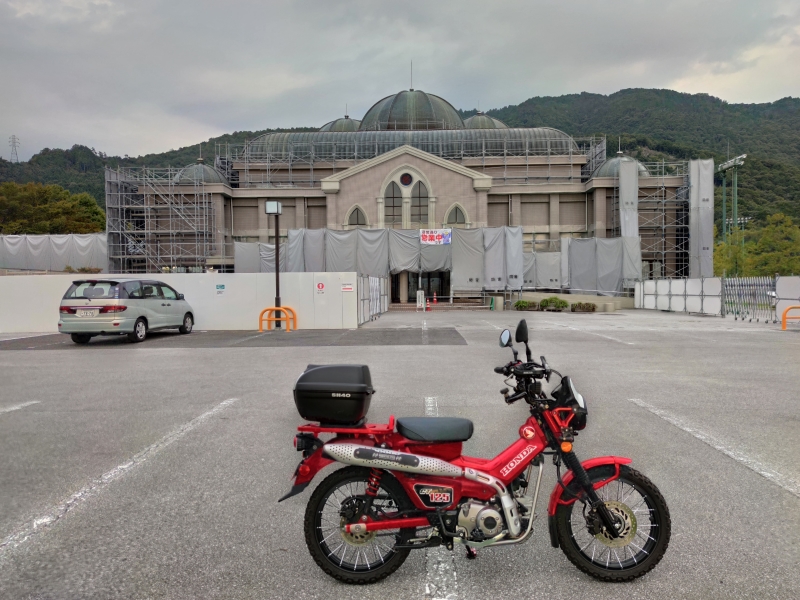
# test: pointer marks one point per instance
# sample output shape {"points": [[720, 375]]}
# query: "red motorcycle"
{"points": [[412, 488]]}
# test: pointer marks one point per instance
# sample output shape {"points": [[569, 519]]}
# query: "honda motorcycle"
{"points": [[408, 486]]}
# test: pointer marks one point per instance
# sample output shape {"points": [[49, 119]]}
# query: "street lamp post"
{"points": [[274, 208]]}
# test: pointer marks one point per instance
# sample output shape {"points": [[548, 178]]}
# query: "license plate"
{"points": [[87, 312]]}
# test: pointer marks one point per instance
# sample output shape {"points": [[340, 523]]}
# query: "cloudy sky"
{"points": [[140, 76]]}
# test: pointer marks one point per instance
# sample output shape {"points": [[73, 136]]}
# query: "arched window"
{"points": [[357, 218], [457, 218], [419, 205], [393, 206]]}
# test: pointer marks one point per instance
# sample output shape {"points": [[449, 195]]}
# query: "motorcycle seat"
{"points": [[435, 429]]}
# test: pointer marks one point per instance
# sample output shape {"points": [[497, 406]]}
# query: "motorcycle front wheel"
{"points": [[643, 539], [353, 558]]}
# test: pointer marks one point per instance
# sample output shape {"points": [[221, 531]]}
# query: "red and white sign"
{"points": [[320, 286], [347, 287], [435, 237]]}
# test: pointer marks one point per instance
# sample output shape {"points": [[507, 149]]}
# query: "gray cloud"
{"points": [[146, 76]]}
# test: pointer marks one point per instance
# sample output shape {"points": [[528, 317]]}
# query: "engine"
{"points": [[478, 521]]}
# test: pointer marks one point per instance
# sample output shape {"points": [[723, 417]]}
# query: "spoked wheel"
{"points": [[351, 558], [644, 534]]}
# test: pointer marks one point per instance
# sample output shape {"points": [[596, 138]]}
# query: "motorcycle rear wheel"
{"points": [[355, 559], [645, 534]]}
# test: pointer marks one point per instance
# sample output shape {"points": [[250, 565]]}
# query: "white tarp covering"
{"points": [[565, 242], [582, 265], [295, 260], [629, 198], [436, 258], [467, 271], [341, 251], [494, 258], [373, 252], [266, 254], [701, 218], [529, 276], [548, 269], [403, 250], [631, 258], [609, 265], [246, 258], [54, 252], [515, 265], [314, 250]]}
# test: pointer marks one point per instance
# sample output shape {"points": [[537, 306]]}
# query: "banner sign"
{"points": [[435, 237]]}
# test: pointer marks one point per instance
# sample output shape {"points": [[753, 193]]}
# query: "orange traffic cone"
{"points": [[428, 304], [435, 300]]}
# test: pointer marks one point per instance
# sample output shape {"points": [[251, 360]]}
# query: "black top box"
{"points": [[334, 394]]}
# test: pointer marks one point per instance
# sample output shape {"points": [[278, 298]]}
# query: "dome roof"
{"points": [[482, 121], [610, 168], [199, 172], [411, 110], [342, 124]]}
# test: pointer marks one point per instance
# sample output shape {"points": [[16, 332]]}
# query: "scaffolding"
{"points": [[663, 219], [156, 225], [276, 161]]}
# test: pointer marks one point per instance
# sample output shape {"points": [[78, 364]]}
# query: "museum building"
{"points": [[411, 162]]}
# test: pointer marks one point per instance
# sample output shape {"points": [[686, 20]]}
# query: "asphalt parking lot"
{"points": [[153, 470]]}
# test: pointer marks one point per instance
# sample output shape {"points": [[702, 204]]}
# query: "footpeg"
{"points": [[472, 554]]}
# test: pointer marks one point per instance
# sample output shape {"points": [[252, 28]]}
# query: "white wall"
{"points": [[30, 303]]}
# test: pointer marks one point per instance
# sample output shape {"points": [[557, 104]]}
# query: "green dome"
{"points": [[610, 168], [343, 124], [483, 121], [411, 110], [199, 172]]}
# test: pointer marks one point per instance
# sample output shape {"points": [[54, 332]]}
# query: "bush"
{"points": [[553, 303], [526, 305], [583, 307]]}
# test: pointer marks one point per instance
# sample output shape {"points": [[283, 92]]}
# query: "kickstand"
{"points": [[472, 554]]}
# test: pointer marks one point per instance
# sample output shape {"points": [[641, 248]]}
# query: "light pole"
{"points": [[273, 207], [733, 164]]}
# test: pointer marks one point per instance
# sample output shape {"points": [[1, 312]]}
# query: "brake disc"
{"points": [[626, 534]]}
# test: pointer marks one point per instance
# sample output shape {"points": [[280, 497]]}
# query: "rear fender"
{"points": [[562, 496], [306, 471]]}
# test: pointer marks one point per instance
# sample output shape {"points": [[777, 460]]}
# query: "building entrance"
{"points": [[434, 281]]}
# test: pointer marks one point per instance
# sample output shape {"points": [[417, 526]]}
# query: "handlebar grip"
{"points": [[499, 370]]}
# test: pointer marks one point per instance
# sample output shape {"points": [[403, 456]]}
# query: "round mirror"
{"points": [[522, 332], [505, 338]]}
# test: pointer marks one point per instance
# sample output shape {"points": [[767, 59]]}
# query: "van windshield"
{"points": [[93, 289]]}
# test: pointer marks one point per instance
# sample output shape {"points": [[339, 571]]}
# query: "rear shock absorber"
{"points": [[374, 482]]}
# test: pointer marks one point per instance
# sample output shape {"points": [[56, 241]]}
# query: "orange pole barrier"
{"points": [[289, 318], [786, 316]]}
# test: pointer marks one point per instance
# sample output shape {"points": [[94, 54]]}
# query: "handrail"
{"points": [[290, 316], [785, 317]]}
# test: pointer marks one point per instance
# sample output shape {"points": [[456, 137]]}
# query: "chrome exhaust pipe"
{"points": [[382, 458]]}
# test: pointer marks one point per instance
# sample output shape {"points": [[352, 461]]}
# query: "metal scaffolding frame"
{"points": [[156, 225], [663, 219], [254, 164]]}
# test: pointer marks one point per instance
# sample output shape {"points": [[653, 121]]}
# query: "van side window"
{"points": [[133, 289], [168, 292], [150, 290]]}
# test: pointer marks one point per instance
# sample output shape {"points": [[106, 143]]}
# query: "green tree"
{"points": [[775, 248], [34, 208]]}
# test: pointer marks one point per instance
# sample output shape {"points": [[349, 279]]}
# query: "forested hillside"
{"points": [[649, 124]]}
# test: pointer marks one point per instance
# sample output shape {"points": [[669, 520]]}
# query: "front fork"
{"points": [[597, 506]]}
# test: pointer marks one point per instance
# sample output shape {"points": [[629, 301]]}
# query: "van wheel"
{"points": [[188, 323], [139, 331], [81, 338]]}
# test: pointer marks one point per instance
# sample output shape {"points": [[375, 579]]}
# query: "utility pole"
{"points": [[731, 165], [14, 142], [274, 208]]}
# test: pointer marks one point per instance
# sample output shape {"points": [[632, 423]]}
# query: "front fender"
{"points": [[556, 497]]}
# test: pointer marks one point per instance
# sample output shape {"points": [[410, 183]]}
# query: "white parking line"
{"points": [[41, 523], [608, 337], [790, 485], [18, 406], [440, 576]]}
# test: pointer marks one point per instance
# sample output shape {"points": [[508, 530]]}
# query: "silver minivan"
{"points": [[129, 307]]}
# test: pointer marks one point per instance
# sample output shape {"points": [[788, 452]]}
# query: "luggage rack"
{"points": [[367, 429]]}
